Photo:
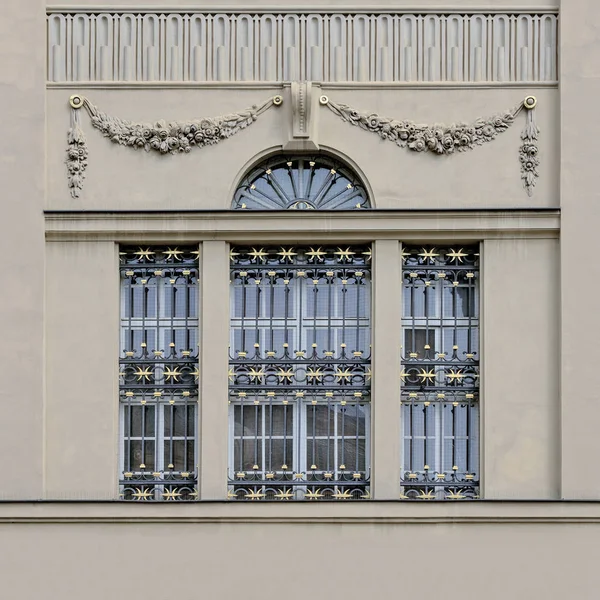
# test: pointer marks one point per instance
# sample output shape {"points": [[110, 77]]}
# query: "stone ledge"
{"points": [[358, 513]]}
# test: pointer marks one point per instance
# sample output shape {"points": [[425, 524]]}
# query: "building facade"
{"points": [[296, 288]]}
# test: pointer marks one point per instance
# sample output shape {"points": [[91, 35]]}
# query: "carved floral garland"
{"points": [[181, 136], [162, 137], [447, 139]]}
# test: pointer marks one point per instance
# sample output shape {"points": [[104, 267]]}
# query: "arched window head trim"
{"points": [[301, 182]]}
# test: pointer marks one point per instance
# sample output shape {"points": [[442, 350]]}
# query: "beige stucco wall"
{"points": [[22, 176], [520, 406], [580, 197], [322, 560], [82, 339]]}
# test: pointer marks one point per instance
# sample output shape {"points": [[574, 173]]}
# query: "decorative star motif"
{"points": [[455, 375], [233, 254], [313, 495], [427, 495], [456, 255], [230, 374], [428, 254], [147, 253], [343, 375], [287, 254], [344, 254], [427, 375], [141, 494], [285, 375], [314, 374], [458, 495], [196, 374], [173, 253], [254, 495], [403, 375], [144, 373], [256, 374], [318, 253], [173, 374], [405, 254], [368, 373], [258, 254], [284, 494], [367, 254], [171, 494], [342, 495]]}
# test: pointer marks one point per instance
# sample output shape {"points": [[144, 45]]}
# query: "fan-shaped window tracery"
{"points": [[301, 183]]}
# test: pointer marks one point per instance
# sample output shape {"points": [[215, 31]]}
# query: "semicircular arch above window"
{"points": [[301, 183]]}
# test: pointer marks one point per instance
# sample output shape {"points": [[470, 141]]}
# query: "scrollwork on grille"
{"points": [[158, 373], [440, 373], [300, 372]]}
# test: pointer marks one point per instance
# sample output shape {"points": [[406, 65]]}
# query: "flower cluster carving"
{"points": [[179, 137], [77, 154], [163, 137], [528, 154], [448, 139]]}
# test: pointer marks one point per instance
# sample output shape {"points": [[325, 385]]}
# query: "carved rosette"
{"points": [[163, 137], [448, 139]]}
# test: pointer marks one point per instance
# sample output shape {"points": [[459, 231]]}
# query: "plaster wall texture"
{"points": [[580, 199], [223, 560], [22, 171]]}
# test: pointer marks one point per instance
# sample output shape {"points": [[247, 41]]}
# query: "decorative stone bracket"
{"points": [[181, 136], [302, 132]]}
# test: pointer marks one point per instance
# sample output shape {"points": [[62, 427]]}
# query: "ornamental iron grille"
{"points": [[301, 183], [159, 373], [300, 373], [440, 373]]}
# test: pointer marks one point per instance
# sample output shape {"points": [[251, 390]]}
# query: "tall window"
{"points": [[159, 373], [299, 373], [440, 373]]}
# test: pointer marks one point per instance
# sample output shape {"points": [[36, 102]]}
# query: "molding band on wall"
{"points": [[358, 46]]}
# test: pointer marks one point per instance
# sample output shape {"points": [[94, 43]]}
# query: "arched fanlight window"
{"points": [[301, 183]]}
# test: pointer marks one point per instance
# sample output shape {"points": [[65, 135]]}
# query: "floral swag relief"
{"points": [[162, 137], [447, 139], [181, 136]]}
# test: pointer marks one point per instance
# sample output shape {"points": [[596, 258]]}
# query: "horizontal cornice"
{"points": [[359, 513], [326, 85], [298, 8], [240, 226]]}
